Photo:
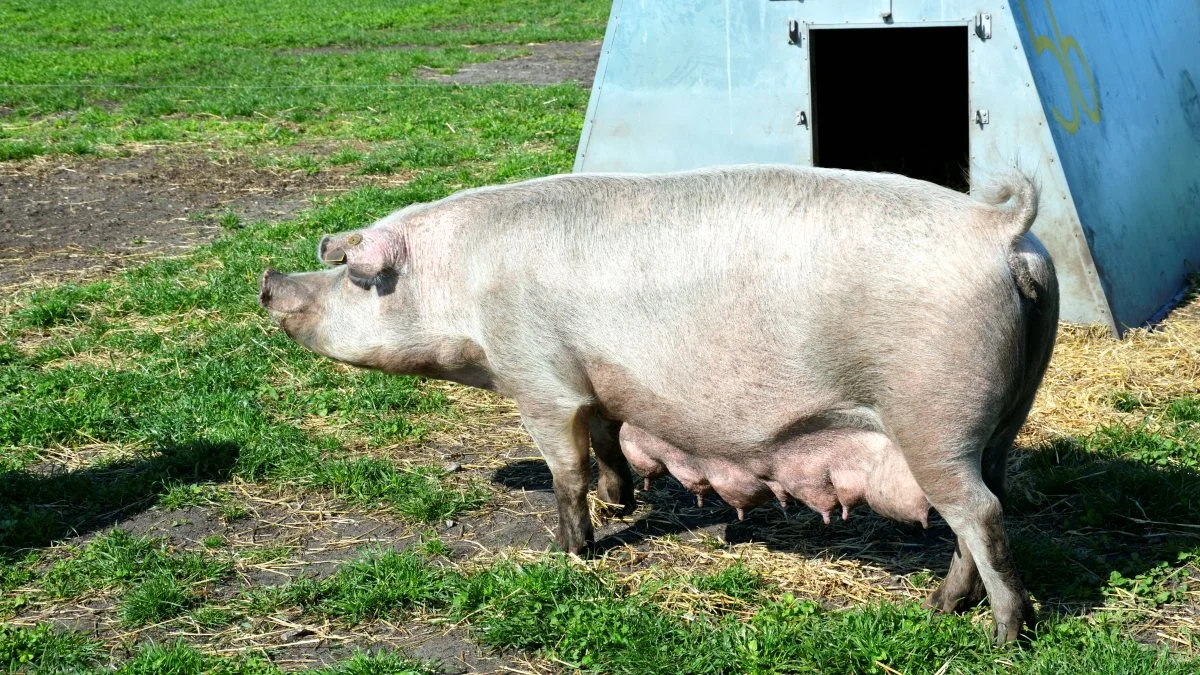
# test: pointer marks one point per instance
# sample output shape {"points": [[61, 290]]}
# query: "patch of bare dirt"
{"points": [[450, 648], [549, 63], [455, 651], [63, 216], [340, 49]]}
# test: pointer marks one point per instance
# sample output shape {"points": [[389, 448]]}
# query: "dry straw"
{"points": [[1090, 369]]}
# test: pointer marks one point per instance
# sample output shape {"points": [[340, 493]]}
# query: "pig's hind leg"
{"points": [[948, 467], [963, 587], [561, 436], [615, 484]]}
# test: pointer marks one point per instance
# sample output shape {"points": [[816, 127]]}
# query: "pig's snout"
{"points": [[265, 295], [281, 293]]}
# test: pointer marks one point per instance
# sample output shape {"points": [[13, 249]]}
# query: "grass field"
{"points": [[184, 490]]}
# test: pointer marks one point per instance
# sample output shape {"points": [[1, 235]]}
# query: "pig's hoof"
{"points": [[1006, 633], [583, 550], [949, 600], [618, 498], [1011, 625], [577, 540]]}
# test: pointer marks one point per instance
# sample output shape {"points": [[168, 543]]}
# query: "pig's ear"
{"points": [[366, 253]]}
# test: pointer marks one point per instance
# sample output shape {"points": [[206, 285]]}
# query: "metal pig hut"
{"points": [[1097, 100]]}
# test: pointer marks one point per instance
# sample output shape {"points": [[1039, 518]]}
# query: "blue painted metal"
{"points": [[1119, 84], [683, 85]]}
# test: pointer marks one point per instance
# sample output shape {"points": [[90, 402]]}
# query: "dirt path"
{"points": [[549, 63], [63, 217]]}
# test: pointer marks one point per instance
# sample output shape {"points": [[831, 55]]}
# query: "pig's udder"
{"points": [[828, 471]]}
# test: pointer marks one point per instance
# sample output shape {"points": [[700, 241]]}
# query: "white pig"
{"points": [[762, 332]]}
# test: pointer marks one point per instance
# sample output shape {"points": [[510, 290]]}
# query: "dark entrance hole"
{"points": [[892, 99]]}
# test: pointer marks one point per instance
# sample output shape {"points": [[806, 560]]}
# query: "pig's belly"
{"points": [[825, 470]]}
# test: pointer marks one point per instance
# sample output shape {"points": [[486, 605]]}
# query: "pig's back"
{"points": [[765, 288]]}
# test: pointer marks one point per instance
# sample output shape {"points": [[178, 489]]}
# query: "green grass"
{"points": [[41, 649], [595, 623], [173, 373], [13, 458], [155, 583], [415, 493], [1113, 514], [158, 598], [81, 77], [181, 495], [267, 553], [378, 584]]}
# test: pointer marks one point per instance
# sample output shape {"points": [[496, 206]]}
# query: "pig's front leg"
{"points": [[562, 438], [615, 485]]}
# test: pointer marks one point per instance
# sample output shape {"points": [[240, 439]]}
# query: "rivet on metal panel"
{"points": [[793, 32]]}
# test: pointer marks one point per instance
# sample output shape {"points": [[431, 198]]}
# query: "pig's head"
{"points": [[357, 312]]}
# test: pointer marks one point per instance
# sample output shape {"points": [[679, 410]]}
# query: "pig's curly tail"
{"points": [[1014, 197]]}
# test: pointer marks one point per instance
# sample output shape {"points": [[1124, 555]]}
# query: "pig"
{"points": [[760, 332]]}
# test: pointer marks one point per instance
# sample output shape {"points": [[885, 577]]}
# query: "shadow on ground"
{"points": [[1073, 517], [43, 504]]}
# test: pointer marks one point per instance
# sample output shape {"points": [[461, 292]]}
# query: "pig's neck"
{"points": [[437, 283], [450, 347], [459, 360]]}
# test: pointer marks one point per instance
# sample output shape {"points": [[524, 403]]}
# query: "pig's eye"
{"points": [[383, 283]]}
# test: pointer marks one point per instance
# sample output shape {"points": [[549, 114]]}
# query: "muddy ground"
{"points": [[63, 217]]}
